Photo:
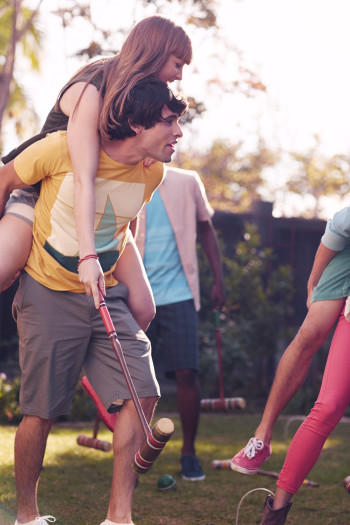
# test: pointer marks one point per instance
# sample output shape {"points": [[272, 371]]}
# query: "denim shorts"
{"points": [[61, 333], [335, 280], [21, 204]]}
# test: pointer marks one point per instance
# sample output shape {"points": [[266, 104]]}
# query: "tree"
{"points": [[231, 177], [320, 176], [17, 24]]}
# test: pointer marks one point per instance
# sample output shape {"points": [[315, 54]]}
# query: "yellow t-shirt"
{"points": [[120, 190]]}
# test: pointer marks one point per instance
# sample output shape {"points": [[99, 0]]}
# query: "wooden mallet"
{"points": [[225, 464], [93, 442], [221, 403], [159, 435]]}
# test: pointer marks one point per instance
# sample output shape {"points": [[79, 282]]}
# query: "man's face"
{"points": [[160, 140]]}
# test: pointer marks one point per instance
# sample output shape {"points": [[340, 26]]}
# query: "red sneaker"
{"points": [[249, 459]]}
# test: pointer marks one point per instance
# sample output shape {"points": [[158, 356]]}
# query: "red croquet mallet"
{"points": [[93, 442], [159, 435], [108, 419], [225, 464], [221, 403]]}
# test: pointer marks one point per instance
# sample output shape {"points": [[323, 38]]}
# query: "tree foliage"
{"points": [[17, 32], [320, 176], [231, 177]]}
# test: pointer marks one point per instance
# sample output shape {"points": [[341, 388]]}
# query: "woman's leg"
{"points": [[131, 272], [15, 244], [329, 408]]}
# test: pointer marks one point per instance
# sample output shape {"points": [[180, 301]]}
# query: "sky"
{"points": [[298, 48]]}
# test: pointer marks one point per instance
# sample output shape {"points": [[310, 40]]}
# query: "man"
{"points": [[60, 330], [166, 238], [328, 286]]}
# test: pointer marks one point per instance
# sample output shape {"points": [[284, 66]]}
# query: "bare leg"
{"points": [[131, 272], [15, 246], [188, 400], [296, 360], [30, 444], [128, 437]]}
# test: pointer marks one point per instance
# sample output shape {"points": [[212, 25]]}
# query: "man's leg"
{"points": [[188, 402], [127, 439], [30, 444], [290, 375]]}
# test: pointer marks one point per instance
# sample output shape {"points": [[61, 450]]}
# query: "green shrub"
{"points": [[9, 399], [253, 322], [83, 409]]}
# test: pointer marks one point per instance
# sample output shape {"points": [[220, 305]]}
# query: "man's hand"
{"points": [[218, 296]]}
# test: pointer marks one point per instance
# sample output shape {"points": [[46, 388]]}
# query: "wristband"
{"points": [[91, 256]]}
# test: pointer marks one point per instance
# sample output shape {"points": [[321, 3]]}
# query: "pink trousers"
{"points": [[329, 408]]}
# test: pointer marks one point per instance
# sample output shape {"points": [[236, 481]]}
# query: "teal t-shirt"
{"points": [[162, 260]]}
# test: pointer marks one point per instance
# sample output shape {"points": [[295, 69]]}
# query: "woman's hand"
{"points": [[91, 275]]}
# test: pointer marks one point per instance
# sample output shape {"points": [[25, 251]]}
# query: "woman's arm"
{"points": [[84, 146], [323, 256]]}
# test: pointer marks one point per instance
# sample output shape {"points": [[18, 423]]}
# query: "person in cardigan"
{"points": [[60, 330], [166, 238]]}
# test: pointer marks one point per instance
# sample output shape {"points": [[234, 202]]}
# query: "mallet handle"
{"points": [[275, 475], [218, 345], [120, 356]]}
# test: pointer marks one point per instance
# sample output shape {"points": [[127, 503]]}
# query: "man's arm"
{"points": [[9, 180], [210, 245]]}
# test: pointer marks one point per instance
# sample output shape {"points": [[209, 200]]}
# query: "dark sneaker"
{"points": [[191, 469]]}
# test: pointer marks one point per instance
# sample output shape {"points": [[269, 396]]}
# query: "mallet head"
{"points": [[156, 441]]}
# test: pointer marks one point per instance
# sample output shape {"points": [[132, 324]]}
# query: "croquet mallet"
{"points": [[221, 403], [101, 414], [93, 442], [161, 432], [225, 464]]}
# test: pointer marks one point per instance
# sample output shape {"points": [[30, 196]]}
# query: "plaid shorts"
{"points": [[174, 337]]}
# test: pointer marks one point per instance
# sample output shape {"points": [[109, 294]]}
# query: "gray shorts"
{"points": [[174, 338], [61, 333], [335, 280], [21, 204]]}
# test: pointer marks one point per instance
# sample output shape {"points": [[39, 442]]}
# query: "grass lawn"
{"points": [[75, 480]]}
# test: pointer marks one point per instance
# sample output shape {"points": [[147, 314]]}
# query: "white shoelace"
{"points": [[42, 520], [254, 446]]}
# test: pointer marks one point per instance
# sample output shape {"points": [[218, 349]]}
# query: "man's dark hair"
{"points": [[143, 107]]}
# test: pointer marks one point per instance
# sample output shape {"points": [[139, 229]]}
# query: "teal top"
{"points": [[162, 260]]}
